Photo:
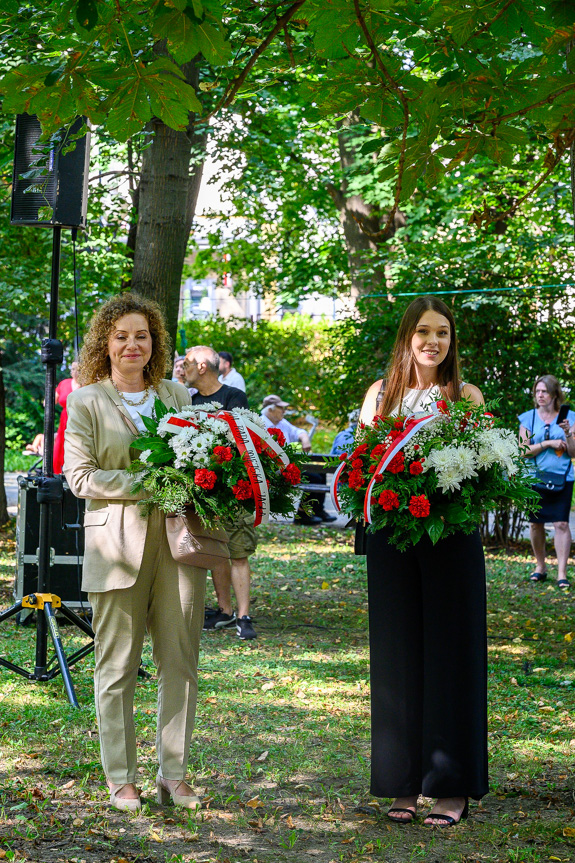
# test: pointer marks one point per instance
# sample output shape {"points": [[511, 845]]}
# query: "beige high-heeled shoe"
{"points": [[187, 801], [125, 804]]}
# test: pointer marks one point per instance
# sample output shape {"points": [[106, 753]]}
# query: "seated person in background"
{"points": [[273, 409], [201, 367], [345, 440], [228, 375], [36, 447]]}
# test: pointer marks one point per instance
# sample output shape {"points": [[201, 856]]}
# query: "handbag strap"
{"points": [[535, 457]]}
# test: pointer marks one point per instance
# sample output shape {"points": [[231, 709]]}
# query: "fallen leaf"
{"points": [[211, 700], [568, 636], [267, 686], [324, 585], [77, 822], [154, 836], [569, 831], [263, 756], [254, 803], [289, 821], [68, 784], [2, 854], [38, 794], [513, 681]]}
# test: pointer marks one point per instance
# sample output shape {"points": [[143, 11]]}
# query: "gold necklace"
{"points": [[128, 402]]}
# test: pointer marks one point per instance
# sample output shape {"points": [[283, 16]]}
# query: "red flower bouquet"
{"points": [[432, 473], [221, 463]]}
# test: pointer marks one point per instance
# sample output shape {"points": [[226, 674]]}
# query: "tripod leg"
{"points": [[60, 655]]}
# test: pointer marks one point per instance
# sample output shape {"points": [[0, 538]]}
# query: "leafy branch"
{"points": [[395, 87], [234, 86]]}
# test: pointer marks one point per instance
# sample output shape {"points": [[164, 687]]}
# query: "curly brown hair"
{"points": [[94, 361]]}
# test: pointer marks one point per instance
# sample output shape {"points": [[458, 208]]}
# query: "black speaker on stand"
{"points": [[50, 189]]}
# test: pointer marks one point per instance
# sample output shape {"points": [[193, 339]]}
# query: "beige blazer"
{"points": [[98, 436]]}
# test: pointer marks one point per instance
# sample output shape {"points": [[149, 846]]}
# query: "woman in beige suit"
{"points": [[132, 581]]}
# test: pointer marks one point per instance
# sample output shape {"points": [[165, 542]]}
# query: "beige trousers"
{"points": [[167, 600]]}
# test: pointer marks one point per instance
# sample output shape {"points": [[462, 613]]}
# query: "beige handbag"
{"points": [[190, 542]]}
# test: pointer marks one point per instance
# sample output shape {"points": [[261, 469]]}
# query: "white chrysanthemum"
{"points": [[144, 456], [464, 461], [449, 479], [441, 459], [250, 415], [214, 425], [485, 458]]}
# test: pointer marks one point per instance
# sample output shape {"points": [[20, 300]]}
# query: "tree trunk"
{"points": [[168, 192], [3, 502], [361, 222]]}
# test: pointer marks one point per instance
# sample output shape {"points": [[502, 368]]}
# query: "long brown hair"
{"points": [[553, 387], [400, 370], [94, 362]]}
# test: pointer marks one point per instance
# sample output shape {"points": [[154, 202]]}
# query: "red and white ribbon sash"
{"points": [[412, 427], [242, 430], [333, 487]]}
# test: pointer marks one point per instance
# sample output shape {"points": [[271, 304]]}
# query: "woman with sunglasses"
{"points": [[550, 444]]}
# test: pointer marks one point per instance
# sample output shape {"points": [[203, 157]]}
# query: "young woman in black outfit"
{"points": [[428, 647]]}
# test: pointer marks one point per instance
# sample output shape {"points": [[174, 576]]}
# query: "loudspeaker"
{"points": [[57, 194], [66, 545]]}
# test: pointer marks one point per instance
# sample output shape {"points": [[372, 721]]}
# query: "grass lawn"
{"points": [[281, 749]]}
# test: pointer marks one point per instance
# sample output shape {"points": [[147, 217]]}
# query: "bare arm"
{"points": [[473, 393], [569, 437], [369, 404], [535, 449], [304, 440]]}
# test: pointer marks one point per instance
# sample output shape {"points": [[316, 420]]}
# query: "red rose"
{"points": [[357, 464], [397, 464], [416, 446], [359, 450], [223, 453], [242, 490], [205, 478], [398, 424], [343, 456], [419, 506], [388, 500], [355, 479], [292, 474], [379, 477], [378, 451], [278, 435], [372, 468], [415, 468]]}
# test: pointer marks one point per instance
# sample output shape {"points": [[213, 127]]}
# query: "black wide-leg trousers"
{"points": [[428, 667]]}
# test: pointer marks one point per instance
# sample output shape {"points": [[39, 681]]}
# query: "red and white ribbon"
{"points": [[412, 427], [333, 487]]}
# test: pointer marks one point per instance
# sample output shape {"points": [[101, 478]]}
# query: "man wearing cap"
{"points": [[273, 409]]}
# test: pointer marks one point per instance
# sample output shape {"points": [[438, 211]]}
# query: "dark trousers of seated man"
{"points": [[315, 498]]}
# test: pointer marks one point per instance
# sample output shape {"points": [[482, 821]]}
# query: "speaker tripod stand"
{"points": [[49, 494]]}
